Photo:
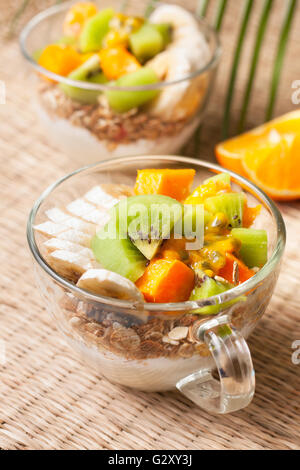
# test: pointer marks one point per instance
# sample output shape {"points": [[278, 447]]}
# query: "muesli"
{"points": [[148, 262], [109, 48]]}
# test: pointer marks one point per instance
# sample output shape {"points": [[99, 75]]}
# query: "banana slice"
{"points": [[109, 284], [187, 52], [186, 33], [181, 20], [58, 244], [75, 236], [69, 264], [170, 65]]}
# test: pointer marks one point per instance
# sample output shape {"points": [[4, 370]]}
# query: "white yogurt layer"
{"points": [[84, 148], [149, 375]]}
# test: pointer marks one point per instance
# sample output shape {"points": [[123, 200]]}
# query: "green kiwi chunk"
{"points": [[147, 220], [165, 29], [230, 204], [254, 249], [118, 255], [95, 30], [122, 101], [208, 288], [89, 71], [221, 177], [146, 42]]}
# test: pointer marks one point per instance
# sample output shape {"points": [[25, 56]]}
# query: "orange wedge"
{"points": [[277, 170], [268, 155]]}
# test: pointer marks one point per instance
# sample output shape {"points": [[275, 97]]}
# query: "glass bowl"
{"points": [[129, 343], [89, 132]]}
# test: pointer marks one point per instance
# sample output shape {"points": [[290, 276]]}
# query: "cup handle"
{"points": [[230, 385]]}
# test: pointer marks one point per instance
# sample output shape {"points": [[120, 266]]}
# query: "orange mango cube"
{"points": [[60, 59], [166, 281], [227, 272], [168, 182], [117, 61]]}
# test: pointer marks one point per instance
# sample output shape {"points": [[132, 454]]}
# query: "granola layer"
{"points": [[131, 336], [105, 124]]}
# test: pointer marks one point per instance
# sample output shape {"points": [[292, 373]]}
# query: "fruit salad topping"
{"points": [[158, 242], [106, 46]]}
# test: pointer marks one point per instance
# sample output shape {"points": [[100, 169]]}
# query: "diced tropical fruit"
{"points": [[118, 255], [235, 271], [117, 61], [166, 281], [230, 204], [95, 30], [275, 146], [193, 222], [115, 38], [217, 223], [59, 59], [207, 289], [250, 214], [212, 257], [89, 71], [213, 186], [129, 23], [172, 183], [122, 101], [77, 16], [175, 248], [254, 246], [147, 220], [165, 29], [146, 42], [222, 178]]}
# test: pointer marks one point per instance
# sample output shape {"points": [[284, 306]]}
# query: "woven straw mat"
{"points": [[48, 398]]}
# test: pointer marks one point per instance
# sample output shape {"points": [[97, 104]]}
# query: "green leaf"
{"points": [[235, 65], [202, 8], [257, 48], [285, 32], [220, 14]]}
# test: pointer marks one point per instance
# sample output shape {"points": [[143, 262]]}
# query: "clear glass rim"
{"points": [[165, 307], [37, 19]]}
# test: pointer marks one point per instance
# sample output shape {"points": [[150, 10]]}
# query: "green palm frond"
{"points": [[236, 61], [221, 8], [202, 7], [283, 40], [257, 48]]}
